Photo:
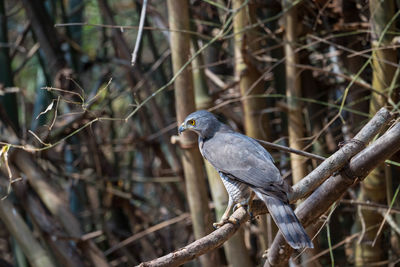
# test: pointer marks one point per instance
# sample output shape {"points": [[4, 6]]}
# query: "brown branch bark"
{"points": [[207, 243], [336, 188]]}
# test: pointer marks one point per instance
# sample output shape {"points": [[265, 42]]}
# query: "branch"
{"points": [[341, 157], [332, 189], [209, 242], [219, 236], [291, 150]]}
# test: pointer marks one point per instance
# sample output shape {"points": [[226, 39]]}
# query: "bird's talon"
{"points": [[252, 218], [217, 225], [237, 206], [233, 221], [223, 221]]}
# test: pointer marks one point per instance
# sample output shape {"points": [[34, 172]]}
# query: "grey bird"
{"points": [[246, 167]]}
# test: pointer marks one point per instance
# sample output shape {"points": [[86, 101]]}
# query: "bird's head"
{"points": [[201, 122]]}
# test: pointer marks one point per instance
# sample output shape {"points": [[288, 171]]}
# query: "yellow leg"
{"points": [[247, 202], [250, 203], [225, 217]]}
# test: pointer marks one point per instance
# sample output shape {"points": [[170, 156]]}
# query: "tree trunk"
{"points": [[196, 187], [373, 188]]}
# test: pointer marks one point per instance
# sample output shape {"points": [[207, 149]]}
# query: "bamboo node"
{"points": [[347, 173], [356, 141]]}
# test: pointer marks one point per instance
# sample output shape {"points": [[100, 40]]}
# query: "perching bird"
{"points": [[245, 166]]}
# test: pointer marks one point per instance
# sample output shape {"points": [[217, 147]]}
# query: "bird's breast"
{"points": [[238, 191]]}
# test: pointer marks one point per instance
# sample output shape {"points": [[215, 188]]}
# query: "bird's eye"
{"points": [[192, 122]]}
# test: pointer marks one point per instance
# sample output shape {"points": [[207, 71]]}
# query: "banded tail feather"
{"points": [[287, 222]]}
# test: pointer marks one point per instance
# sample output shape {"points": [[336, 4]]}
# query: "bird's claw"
{"points": [[248, 210], [247, 207], [225, 221], [252, 218], [237, 206]]}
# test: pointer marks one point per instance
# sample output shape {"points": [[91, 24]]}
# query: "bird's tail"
{"points": [[287, 221]]}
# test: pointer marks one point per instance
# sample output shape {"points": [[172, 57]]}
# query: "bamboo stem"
{"points": [[196, 188], [235, 248], [16, 225], [293, 90], [374, 186]]}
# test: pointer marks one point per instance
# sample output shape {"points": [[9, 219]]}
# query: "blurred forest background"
{"points": [[92, 172]]}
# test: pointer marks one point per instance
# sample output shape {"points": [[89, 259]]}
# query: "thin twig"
{"points": [[386, 215], [360, 215], [291, 150], [391, 221], [344, 241], [140, 32], [371, 205]]}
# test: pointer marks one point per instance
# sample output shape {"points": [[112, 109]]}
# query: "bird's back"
{"points": [[243, 159]]}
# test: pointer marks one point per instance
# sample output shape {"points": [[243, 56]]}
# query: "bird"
{"points": [[246, 170]]}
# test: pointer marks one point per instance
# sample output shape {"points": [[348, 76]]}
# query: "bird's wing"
{"points": [[243, 159]]}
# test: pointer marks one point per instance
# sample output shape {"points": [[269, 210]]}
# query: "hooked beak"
{"points": [[182, 128]]}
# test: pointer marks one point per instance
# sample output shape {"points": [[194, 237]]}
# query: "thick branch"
{"points": [[332, 189], [218, 237], [209, 242], [342, 156]]}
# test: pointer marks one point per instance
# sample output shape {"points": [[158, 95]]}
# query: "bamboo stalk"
{"points": [[46, 35], [55, 204], [256, 124], [9, 101], [235, 248], [374, 186], [64, 251], [196, 189], [293, 90], [35, 253], [296, 125]]}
